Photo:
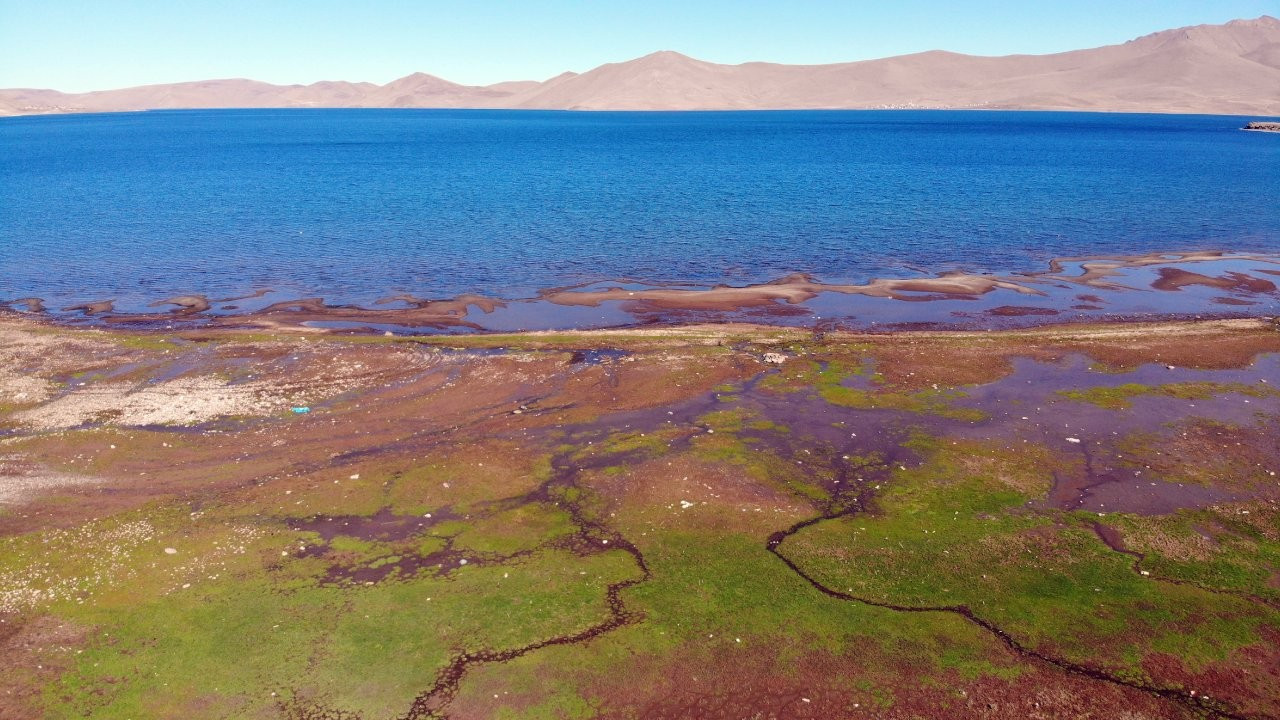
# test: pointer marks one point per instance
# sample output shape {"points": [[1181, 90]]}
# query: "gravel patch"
{"points": [[184, 401], [20, 481]]}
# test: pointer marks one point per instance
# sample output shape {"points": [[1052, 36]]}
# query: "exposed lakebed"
{"points": [[1065, 520]]}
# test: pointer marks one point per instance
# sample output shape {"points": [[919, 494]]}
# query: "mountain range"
{"points": [[1231, 69]]}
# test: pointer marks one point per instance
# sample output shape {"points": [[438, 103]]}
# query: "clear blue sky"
{"points": [[77, 45]]}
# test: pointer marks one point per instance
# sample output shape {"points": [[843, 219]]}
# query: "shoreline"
{"points": [[1154, 286], [721, 334]]}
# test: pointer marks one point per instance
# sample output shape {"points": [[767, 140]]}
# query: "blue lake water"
{"points": [[353, 205]]}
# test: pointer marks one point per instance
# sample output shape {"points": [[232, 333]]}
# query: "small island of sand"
{"points": [[1260, 126]]}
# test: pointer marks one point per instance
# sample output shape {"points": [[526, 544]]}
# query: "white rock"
{"points": [[775, 358], [170, 551], [1073, 440]]}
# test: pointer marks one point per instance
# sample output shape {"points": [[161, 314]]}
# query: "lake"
{"points": [[356, 205]]}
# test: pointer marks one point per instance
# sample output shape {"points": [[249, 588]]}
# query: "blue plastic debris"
{"points": [[302, 410]]}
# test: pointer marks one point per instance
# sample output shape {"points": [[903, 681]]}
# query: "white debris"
{"points": [[1073, 440], [170, 551], [685, 504]]}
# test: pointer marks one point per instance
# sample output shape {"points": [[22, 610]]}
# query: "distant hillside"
{"points": [[1221, 69]]}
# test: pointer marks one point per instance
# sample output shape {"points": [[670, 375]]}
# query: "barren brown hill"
{"points": [[1222, 69]]}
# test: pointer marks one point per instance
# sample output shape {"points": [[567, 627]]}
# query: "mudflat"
{"points": [[712, 521], [1167, 285]]}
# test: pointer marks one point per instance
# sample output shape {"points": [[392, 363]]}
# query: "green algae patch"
{"points": [[724, 420], [626, 443], [930, 402], [141, 342], [850, 384], [768, 426], [1120, 397]]}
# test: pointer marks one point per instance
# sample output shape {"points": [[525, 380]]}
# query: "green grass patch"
{"points": [[521, 529], [1226, 547], [947, 534]]}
